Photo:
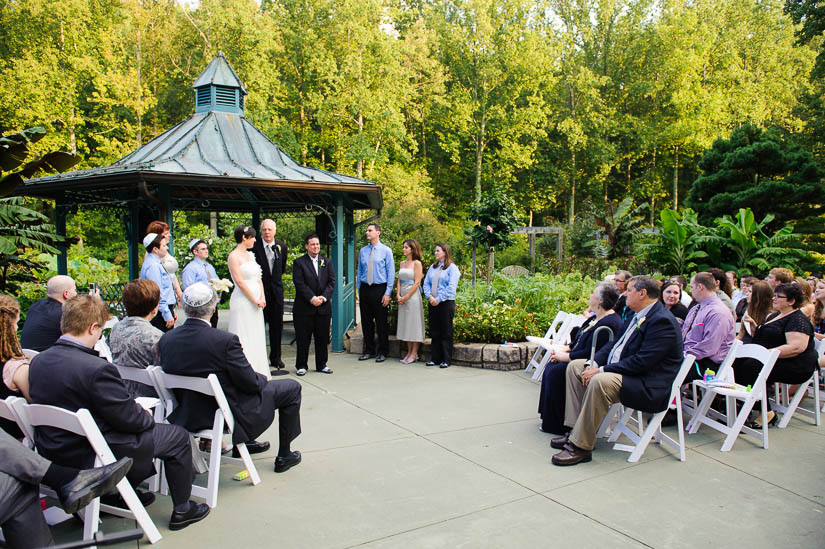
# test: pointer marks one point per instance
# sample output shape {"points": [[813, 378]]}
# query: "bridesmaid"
{"points": [[410, 305], [440, 287]]}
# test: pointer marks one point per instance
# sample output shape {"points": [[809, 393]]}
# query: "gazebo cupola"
{"points": [[218, 88]]}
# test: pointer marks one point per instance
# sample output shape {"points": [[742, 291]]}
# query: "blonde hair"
{"points": [[9, 344], [82, 311]]}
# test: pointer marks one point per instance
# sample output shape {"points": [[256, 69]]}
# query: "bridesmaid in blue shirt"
{"points": [[440, 287]]}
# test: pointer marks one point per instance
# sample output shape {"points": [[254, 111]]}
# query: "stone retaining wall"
{"points": [[490, 356]]}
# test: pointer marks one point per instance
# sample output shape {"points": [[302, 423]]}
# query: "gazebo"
{"points": [[216, 160]]}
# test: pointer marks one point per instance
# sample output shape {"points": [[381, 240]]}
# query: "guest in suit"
{"points": [[620, 279], [271, 256], [197, 349], [199, 270], [42, 326], [314, 279], [551, 398], [71, 375], [638, 372]]}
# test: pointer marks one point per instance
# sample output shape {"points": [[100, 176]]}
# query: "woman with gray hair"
{"points": [[552, 397]]}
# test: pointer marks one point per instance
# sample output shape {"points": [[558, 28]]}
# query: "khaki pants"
{"points": [[585, 407]]}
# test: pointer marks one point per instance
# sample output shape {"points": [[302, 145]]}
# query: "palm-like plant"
{"points": [[677, 246], [753, 249], [621, 223]]}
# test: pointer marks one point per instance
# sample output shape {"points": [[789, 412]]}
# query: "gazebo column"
{"points": [[340, 322], [133, 239], [256, 218], [60, 213]]}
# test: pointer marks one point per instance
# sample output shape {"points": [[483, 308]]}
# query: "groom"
{"points": [[271, 256], [314, 280]]}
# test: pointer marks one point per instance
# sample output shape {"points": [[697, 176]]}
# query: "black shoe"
{"points": [[365, 356], [196, 512], [253, 446], [430, 363], [670, 418], [116, 500], [325, 370], [380, 358], [283, 464], [92, 483]]}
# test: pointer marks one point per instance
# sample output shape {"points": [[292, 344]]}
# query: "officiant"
{"points": [[271, 256], [199, 270]]}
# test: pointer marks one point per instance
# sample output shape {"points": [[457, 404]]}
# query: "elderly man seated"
{"points": [[197, 349], [639, 371], [42, 327], [71, 375]]}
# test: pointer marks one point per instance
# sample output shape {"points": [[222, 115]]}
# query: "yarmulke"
{"points": [[197, 294], [194, 242], [148, 239]]}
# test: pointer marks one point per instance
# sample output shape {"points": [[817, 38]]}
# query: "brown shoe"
{"points": [[559, 442], [572, 455]]}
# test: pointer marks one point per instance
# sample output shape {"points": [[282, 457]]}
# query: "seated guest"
{"points": [[638, 371], [760, 305], [551, 399], [671, 297], [807, 306], [198, 270], [157, 247], [620, 280], [69, 374], [197, 349], [742, 304], [14, 363], [777, 276], [42, 326], [791, 332], [723, 289], [686, 300], [818, 316], [708, 329], [736, 292], [133, 340], [21, 473]]}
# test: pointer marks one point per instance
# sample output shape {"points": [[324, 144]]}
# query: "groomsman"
{"points": [[314, 280], [376, 272], [271, 256], [198, 270]]}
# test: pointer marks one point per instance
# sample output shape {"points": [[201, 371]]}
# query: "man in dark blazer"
{"points": [[197, 349], [71, 375], [640, 366], [314, 279], [271, 256], [42, 326]]}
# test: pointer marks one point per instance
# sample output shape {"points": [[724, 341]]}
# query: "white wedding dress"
{"points": [[246, 319]]}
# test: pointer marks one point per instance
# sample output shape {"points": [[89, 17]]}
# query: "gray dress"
{"points": [[411, 314], [134, 342]]}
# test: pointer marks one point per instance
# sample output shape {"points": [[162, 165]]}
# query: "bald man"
{"points": [[271, 256], [42, 327]]}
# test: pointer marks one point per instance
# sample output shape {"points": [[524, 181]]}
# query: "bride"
{"points": [[246, 305]]}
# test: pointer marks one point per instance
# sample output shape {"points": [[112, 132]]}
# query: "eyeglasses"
{"points": [[780, 297]]}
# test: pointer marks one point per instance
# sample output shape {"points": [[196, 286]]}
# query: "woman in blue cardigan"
{"points": [[551, 399], [439, 288]]}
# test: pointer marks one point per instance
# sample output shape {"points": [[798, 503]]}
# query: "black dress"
{"points": [[679, 311], [795, 369], [553, 381]]}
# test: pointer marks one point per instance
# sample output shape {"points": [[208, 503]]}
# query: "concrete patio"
{"points": [[409, 456]]}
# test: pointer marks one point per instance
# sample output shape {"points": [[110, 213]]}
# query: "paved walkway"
{"points": [[409, 456]]}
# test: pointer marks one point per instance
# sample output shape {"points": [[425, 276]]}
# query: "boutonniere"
{"points": [[321, 264], [278, 247], [641, 321]]}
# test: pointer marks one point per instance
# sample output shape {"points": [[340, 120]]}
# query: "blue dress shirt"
{"points": [[383, 270], [197, 270], [447, 282], [153, 270]]}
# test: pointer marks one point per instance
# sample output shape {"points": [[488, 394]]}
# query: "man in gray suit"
{"points": [[22, 471]]}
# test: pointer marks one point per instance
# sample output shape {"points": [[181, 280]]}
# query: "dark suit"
{"points": [[274, 294], [72, 376], [312, 321], [42, 326], [196, 349]]}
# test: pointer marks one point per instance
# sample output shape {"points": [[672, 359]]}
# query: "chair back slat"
{"points": [[208, 386]]}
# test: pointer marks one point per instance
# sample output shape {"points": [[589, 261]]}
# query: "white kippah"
{"points": [[148, 239], [197, 294], [194, 242]]}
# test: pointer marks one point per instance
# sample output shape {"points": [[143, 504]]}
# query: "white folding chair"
{"points": [[30, 353], [643, 436], [82, 423], [782, 403], [7, 412], [542, 354], [724, 372], [561, 337], [223, 416], [735, 423]]}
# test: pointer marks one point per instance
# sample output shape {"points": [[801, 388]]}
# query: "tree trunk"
{"points": [[491, 263], [572, 214], [480, 155], [676, 179], [360, 164]]}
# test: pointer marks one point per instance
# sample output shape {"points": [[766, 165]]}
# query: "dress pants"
{"points": [[551, 398], [585, 407], [21, 518], [306, 328], [274, 316], [441, 331], [374, 318], [158, 321], [285, 394]]}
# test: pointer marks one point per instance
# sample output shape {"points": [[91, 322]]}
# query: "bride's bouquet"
{"points": [[221, 284]]}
